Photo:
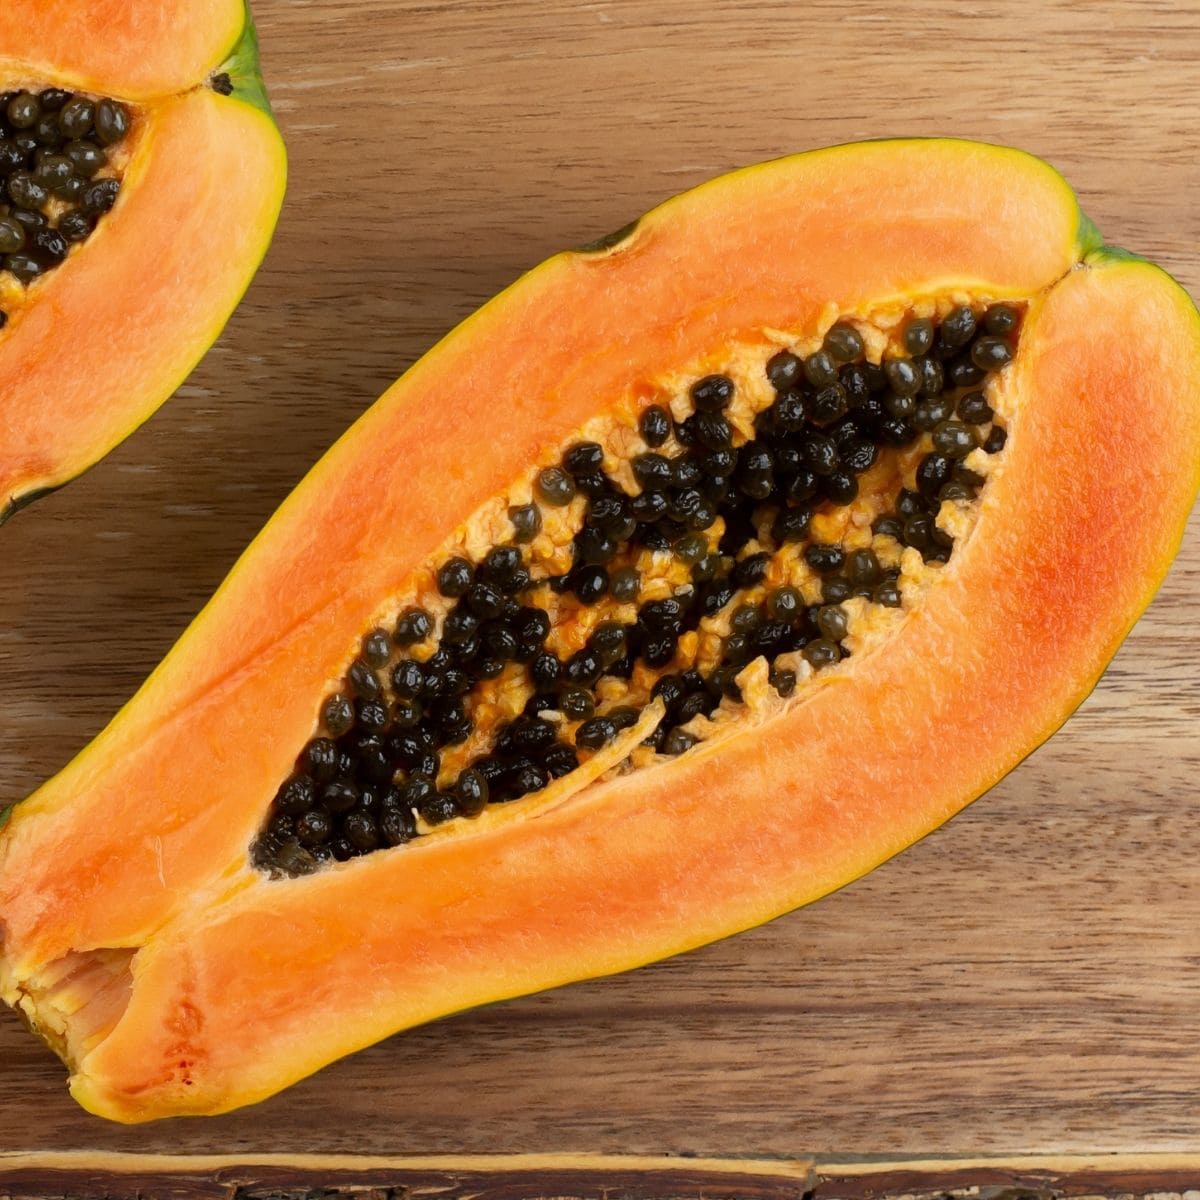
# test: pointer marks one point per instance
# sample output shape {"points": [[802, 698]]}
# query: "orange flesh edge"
{"points": [[90, 354], [130, 49], [172, 793]]}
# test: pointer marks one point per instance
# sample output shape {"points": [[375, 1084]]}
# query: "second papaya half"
{"points": [[141, 175], [692, 577]]}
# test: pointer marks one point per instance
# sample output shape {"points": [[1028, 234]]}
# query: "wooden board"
{"points": [[1026, 979], [38, 1176]]}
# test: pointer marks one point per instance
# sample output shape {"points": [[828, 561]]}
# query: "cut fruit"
{"points": [[140, 181], [560, 660]]}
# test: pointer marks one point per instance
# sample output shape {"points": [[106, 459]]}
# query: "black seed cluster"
{"points": [[376, 766], [54, 154]]}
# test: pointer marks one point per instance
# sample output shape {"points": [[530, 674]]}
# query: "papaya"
{"points": [[695, 575], [141, 175]]}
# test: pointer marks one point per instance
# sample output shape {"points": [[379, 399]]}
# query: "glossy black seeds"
{"points": [[555, 486], [712, 393], [111, 122], [930, 413], [962, 372], [53, 170], [934, 470], [652, 471], [655, 425], [12, 236], [589, 583], [55, 148], [820, 369], [788, 411], [785, 370], [454, 576], [1001, 320], [791, 524], [862, 567], [526, 522], [408, 680], [821, 652], [958, 328], [414, 625], [836, 589], [625, 584], [824, 559], [820, 453], [887, 594], [338, 714], [583, 458], [22, 111], [918, 336], [711, 430], [471, 792], [24, 190], [784, 603], [708, 520], [933, 377], [974, 409], [829, 404], [904, 377], [595, 733], [314, 827], [841, 487], [320, 759], [954, 439], [363, 680], [376, 649], [76, 117], [576, 702], [991, 353], [843, 343]]}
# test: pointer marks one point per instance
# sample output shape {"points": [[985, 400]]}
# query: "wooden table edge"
{"points": [[81, 1173]]}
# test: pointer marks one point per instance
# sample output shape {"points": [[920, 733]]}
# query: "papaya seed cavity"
{"points": [[60, 154], [710, 550]]}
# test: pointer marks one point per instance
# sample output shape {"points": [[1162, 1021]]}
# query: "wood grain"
{"points": [[1029, 977], [39, 1176], [313, 1177]]}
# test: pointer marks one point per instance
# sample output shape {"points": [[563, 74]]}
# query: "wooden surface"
{"points": [[482, 1177], [1026, 979], [43, 1175]]}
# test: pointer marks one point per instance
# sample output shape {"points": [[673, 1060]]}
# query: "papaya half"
{"points": [[141, 175], [692, 577]]}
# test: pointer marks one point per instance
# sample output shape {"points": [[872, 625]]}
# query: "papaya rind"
{"points": [[1088, 238], [243, 66]]}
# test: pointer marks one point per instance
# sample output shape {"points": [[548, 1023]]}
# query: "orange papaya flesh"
{"points": [[175, 977], [128, 48], [102, 323]]}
